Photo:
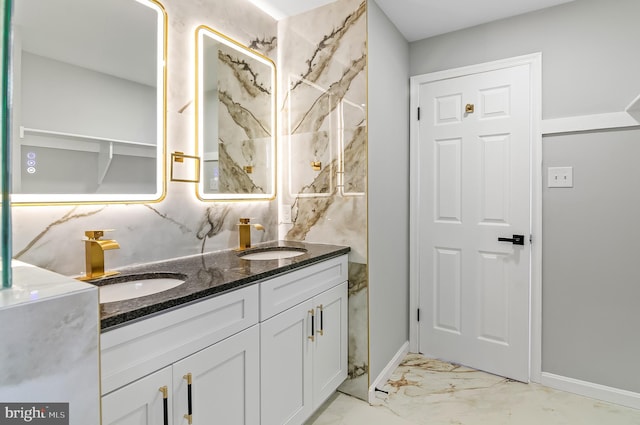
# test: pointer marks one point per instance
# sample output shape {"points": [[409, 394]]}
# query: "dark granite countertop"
{"points": [[205, 275]]}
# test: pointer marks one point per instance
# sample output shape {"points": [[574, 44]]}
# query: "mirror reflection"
{"points": [[235, 100], [88, 101]]}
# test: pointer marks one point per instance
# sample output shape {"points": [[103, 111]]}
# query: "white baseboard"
{"points": [[388, 370], [589, 389]]}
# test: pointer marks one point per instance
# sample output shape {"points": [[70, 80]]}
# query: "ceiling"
{"points": [[419, 19], [280, 9]]}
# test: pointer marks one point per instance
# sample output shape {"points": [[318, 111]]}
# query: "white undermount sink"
{"points": [[136, 288], [275, 253]]}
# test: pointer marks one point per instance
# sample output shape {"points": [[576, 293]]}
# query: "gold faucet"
{"points": [[94, 254], [244, 230]]}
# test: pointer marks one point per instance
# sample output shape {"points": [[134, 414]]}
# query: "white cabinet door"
{"points": [[225, 382], [285, 366], [141, 402], [303, 357], [330, 346]]}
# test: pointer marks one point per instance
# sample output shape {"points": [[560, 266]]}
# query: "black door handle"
{"points": [[165, 404], [189, 416], [516, 240]]}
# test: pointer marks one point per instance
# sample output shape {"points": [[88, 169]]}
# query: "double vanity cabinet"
{"points": [[267, 352]]}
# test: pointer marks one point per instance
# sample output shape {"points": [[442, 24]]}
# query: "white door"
{"points": [[474, 188], [225, 382]]}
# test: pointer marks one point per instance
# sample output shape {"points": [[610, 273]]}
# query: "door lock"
{"points": [[516, 240]]}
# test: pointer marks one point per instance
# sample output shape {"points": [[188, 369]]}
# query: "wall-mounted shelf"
{"points": [[630, 118], [634, 109], [608, 121], [82, 142], [103, 146]]}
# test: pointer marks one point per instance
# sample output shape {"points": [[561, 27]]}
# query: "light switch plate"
{"points": [[560, 177]]}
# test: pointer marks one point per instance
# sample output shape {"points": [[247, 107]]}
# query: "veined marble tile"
{"points": [[50, 346], [182, 226], [427, 391], [431, 392], [241, 96], [344, 410], [357, 383], [322, 68], [304, 151]]}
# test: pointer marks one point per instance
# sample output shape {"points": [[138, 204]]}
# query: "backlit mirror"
{"points": [[235, 124], [88, 121]]}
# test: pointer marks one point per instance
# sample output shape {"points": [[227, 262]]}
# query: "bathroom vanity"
{"points": [[239, 342]]}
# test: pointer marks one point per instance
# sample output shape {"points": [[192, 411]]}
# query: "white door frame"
{"points": [[534, 61]]}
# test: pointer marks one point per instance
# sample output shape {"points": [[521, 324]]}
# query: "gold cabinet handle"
{"points": [[189, 416], [312, 337], [321, 329]]}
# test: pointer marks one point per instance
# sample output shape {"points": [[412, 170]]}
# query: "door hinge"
{"points": [[418, 113], [418, 315]]}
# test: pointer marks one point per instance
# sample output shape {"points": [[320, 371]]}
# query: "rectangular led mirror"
{"points": [[88, 116], [235, 119]]}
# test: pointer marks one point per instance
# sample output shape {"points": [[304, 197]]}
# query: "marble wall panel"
{"points": [[322, 64], [50, 353], [243, 96], [51, 236]]}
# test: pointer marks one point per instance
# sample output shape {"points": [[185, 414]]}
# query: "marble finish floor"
{"points": [[430, 392]]}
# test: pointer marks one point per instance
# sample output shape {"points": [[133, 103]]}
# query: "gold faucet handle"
{"points": [[96, 234], [248, 220]]}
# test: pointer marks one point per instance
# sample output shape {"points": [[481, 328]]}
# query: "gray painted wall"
{"points": [[590, 268], [591, 272], [590, 63], [388, 189]]}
